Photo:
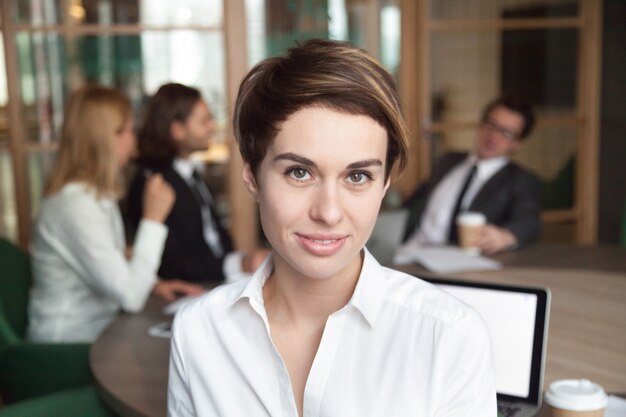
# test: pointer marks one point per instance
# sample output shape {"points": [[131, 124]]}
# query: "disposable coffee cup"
{"points": [[470, 224], [576, 398]]}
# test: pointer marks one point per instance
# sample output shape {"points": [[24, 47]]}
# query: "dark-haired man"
{"points": [[178, 122], [485, 181]]}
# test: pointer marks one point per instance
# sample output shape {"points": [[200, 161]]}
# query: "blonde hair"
{"points": [[93, 117]]}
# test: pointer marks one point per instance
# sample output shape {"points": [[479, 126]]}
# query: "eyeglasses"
{"points": [[500, 130]]}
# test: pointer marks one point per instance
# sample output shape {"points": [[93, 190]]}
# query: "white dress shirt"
{"points": [[434, 227], [81, 277], [232, 265], [400, 347]]}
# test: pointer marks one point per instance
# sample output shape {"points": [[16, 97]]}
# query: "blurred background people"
{"points": [[485, 181], [178, 122], [81, 275]]}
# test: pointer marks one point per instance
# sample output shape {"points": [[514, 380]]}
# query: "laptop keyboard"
{"points": [[508, 410]]}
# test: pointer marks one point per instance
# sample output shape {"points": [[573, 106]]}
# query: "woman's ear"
{"points": [[387, 184], [250, 181]]}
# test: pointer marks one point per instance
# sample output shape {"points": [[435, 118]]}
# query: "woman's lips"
{"points": [[322, 245]]}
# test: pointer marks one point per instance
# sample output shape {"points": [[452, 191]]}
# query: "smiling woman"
{"points": [[319, 190], [322, 328]]}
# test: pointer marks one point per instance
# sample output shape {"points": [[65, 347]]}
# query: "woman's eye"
{"points": [[299, 174], [359, 177]]}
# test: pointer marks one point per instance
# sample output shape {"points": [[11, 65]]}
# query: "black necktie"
{"points": [[205, 201], [453, 236]]}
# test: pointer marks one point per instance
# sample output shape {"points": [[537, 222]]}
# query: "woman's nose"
{"points": [[326, 204]]}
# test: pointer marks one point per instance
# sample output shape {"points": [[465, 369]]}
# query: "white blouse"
{"points": [[400, 347], [81, 277]]}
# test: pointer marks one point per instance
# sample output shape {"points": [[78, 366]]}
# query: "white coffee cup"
{"points": [[470, 224], [576, 398]]}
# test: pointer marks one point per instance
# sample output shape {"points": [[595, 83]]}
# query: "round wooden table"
{"points": [[130, 366]]}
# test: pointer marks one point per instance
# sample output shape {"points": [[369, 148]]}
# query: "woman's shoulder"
{"points": [[422, 297], [215, 301], [78, 194], [75, 200]]}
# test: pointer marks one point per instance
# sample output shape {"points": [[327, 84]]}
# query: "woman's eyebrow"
{"points": [[365, 163], [289, 156]]}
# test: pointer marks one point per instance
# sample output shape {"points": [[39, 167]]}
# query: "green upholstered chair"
{"points": [[31, 369], [75, 402], [558, 192]]}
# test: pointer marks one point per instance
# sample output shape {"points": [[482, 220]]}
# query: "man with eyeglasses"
{"points": [[485, 181]]}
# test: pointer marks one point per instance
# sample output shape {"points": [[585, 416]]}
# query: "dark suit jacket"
{"points": [[509, 199], [186, 255]]}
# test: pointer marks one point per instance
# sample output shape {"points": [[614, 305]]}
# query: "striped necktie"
{"points": [[205, 200]]}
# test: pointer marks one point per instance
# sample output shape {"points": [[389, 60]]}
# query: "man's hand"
{"points": [[495, 239], [170, 290]]}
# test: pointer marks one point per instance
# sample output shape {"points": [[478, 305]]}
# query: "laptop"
{"points": [[517, 318], [387, 235]]}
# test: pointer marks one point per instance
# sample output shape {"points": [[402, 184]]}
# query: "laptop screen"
{"points": [[517, 321]]}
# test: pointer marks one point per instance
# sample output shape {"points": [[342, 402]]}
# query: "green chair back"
{"points": [[29, 370], [15, 281]]}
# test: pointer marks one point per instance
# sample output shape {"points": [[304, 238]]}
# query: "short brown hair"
{"points": [[92, 118], [172, 102], [324, 73]]}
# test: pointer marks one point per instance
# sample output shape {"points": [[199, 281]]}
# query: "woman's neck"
{"points": [[291, 297]]}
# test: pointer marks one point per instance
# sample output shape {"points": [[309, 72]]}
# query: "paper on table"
{"points": [[616, 407], [443, 259]]}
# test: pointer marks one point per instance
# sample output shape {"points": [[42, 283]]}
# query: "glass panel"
{"points": [[4, 98], [273, 27], [41, 12], [8, 207], [357, 27], [541, 65], [465, 70], [52, 65], [490, 9], [181, 12], [287, 22], [462, 140], [39, 165], [255, 30], [188, 57], [390, 35], [470, 68], [105, 12], [550, 153]]}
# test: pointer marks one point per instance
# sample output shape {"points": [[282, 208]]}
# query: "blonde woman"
{"points": [[81, 276]]}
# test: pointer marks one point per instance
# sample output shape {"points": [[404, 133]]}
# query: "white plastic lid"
{"points": [[471, 218], [576, 395]]}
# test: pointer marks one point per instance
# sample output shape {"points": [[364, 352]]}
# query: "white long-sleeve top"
{"points": [[400, 347], [81, 277]]}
